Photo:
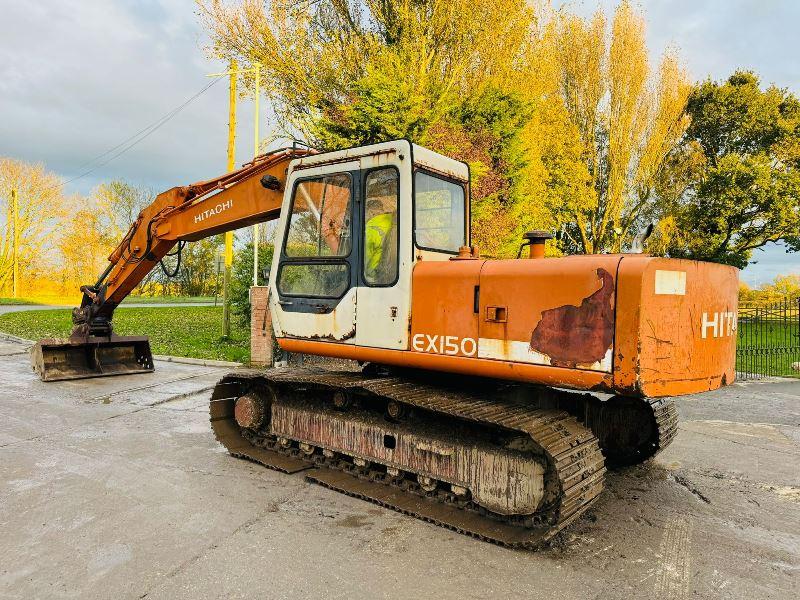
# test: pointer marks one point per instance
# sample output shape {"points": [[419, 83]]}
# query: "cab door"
{"points": [[384, 293], [315, 276]]}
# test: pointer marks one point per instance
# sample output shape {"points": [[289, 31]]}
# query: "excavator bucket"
{"points": [[60, 359]]}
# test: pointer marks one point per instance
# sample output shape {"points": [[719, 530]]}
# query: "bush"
{"points": [[242, 279]]}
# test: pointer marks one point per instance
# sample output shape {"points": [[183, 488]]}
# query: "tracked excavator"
{"points": [[486, 396]]}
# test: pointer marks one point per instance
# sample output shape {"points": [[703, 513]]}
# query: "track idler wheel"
{"points": [[251, 411], [342, 400], [626, 430], [395, 412]]}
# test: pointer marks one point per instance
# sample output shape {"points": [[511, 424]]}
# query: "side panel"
{"points": [[444, 318], [677, 326], [557, 311]]}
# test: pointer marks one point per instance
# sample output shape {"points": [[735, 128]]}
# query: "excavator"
{"points": [[486, 396]]}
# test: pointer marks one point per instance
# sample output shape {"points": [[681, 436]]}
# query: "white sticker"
{"points": [[671, 283]]}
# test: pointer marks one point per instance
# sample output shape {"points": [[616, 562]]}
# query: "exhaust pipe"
{"points": [[534, 240], [63, 359]]}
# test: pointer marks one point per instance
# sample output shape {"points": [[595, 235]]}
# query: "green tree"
{"points": [[486, 131], [197, 274], [742, 188], [242, 278]]}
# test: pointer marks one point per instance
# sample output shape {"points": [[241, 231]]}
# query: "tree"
{"points": [[621, 123], [197, 273], [94, 228], [124, 202], [486, 131], [350, 73], [40, 204], [783, 287], [560, 120], [743, 189]]}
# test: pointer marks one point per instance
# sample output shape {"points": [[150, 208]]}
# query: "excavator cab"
{"points": [[354, 224]]}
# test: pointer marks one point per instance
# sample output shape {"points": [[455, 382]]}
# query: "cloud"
{"points": [[99, 71]]}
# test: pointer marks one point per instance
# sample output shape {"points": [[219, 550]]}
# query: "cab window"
{"points": [[319, 224], [314, 280], [318, 239], [439, 213], [381, 198]]}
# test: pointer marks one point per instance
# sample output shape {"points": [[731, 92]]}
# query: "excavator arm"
{"points": [[252, 194]]}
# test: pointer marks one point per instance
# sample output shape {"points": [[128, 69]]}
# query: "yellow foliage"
{"points": [[40, 205], [620, 121], [314, 52]]}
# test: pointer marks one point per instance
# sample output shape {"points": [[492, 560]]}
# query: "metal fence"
{"points": [[768, 341]]}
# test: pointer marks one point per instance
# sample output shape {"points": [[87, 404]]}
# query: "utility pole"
{"points": [[257, 68], [226, 282], [15, 240], [233, 73]]}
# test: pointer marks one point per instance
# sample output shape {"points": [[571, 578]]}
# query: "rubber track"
{"points": [[572, 450]]}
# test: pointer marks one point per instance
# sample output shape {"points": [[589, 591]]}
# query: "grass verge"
{"points": [[15, 301], [192, 331], [168, 300]]}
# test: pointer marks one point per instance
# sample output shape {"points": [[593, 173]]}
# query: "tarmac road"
{"points": [[116, 488]]}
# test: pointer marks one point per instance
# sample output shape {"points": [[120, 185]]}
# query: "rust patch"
{"points": [[572, 335], [329, 337]]}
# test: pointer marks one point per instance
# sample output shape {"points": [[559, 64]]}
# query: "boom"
{"points": [[252, 194]]}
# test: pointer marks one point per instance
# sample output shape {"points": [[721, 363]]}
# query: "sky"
{"points": [[77, 77]]}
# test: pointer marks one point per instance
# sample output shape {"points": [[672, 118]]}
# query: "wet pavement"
{"points": [[116, 488]]}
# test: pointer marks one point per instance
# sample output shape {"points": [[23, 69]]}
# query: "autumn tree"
{"points": [[94, 227], [734, 185], [783, 287], [622, 120], [40, 204], [433, 71], [351, 72]]}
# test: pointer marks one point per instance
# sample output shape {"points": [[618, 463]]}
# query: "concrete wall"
{"points": [[260, 328]]}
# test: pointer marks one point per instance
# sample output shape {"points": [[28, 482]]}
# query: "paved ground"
{"points": [[115, 488]]}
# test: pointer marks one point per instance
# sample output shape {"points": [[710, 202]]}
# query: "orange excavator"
{"points": [[486, 396]]}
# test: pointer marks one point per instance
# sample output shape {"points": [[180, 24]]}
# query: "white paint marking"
{"points": [[671, 283]]}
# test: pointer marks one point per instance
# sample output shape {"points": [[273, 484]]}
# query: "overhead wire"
{"points": [[136, 138]]}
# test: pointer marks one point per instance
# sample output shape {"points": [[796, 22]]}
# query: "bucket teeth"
{"points": [[61, 359]]}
